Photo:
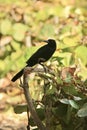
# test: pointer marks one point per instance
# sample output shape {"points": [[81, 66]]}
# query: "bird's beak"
{"points": [[45, 41]]}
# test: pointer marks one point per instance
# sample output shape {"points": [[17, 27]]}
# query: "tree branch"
{"points": [[29, 99]]}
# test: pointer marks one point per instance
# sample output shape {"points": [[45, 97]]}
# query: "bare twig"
{"points": [[48, 108], [28, 126], [48, 115]]}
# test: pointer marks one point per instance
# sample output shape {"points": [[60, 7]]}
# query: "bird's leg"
{"points": [[21, 83], [40, 62], [44, 67]]}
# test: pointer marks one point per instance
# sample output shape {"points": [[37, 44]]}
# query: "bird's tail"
{"points": [[17, 76]]}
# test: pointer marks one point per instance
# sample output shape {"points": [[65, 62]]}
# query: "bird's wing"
{"points": [[38, 54]]}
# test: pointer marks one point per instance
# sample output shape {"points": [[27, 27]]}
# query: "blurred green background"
{"points": [[24, 24]]}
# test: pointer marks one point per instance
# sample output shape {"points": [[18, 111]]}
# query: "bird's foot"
{"points": [[44, 67], [21, 83]]}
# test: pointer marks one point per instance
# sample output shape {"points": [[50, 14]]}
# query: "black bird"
{"points": [[41, 55]]}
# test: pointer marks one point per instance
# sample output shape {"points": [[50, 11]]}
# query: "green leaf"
{"points": [[51, 91], [19, 30], [83, 111], [84, 29], [15, 45], [2, 66], [83, 71], [71, 41], [42, 14], [66, 58], [73, 104], [58, 10], [70, 90], [77, 98], [81, 52], [64, 101], [70, 102], [2, 14], [6, 27], [20, 108], [47, 30]]}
